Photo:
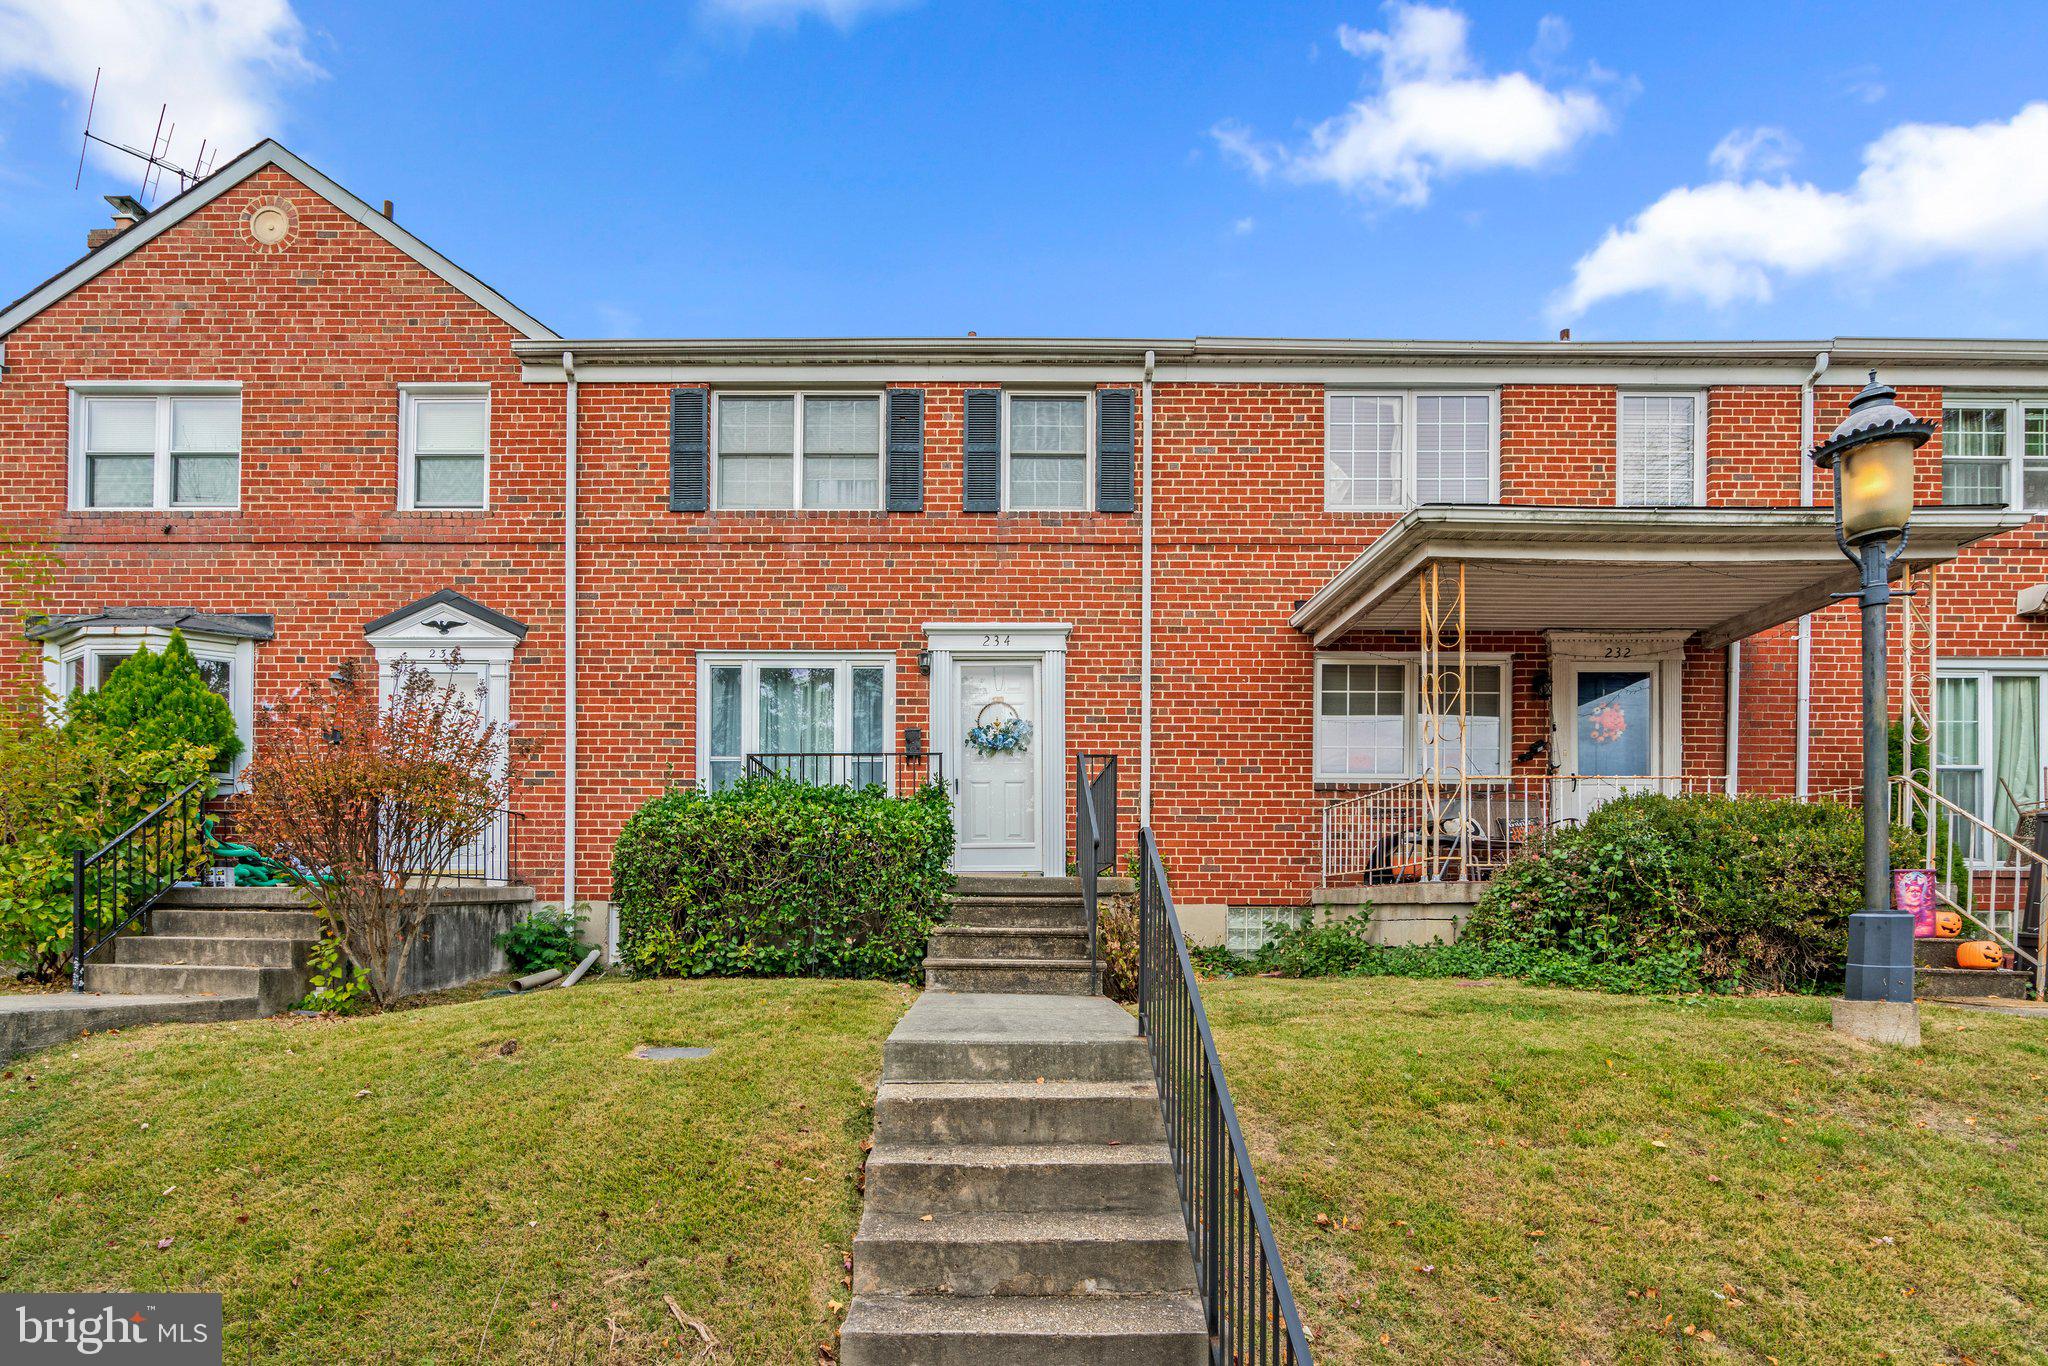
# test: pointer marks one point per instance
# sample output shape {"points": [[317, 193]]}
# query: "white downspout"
{"points": [[1802, 717], [1145, 617], [569, 638], [1732, 705]]}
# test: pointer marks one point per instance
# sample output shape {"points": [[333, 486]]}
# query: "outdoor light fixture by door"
{"points": [[1871, 455]]}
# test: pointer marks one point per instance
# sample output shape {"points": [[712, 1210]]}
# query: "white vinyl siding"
{"points": [[133, 449], [1368, 729], [820, 452], [1660, 461], [1386, 452], [1046, 452], [444, 439], [1992, 449]]}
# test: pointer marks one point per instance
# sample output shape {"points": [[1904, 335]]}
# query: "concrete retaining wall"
{"points": [[1404, 912]]}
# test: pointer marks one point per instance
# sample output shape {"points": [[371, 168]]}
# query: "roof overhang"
{"points": [[1719, 573], [257, 626]]}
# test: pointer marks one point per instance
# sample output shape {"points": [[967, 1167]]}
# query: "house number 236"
{"points": [[994, 642]]}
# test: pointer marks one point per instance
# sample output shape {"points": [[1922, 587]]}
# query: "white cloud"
{"points": [[218, 64], [1243, 227], [784, 13], [1766, 151], [1927, 193], [1432, 113]]}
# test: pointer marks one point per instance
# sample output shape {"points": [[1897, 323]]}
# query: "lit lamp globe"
{"points": [[1872, 456]]}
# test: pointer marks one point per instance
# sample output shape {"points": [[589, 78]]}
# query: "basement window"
{"points": [[143, 448]]}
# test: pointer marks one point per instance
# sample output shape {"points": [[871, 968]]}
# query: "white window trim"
{"points": [[750, 662], [1699, 441], [1411, 715], [408, 469], [796, 441], [60, 657], [2015, 407], [1405, 456], [80, 479], [1088, 400], [1983, 671]]}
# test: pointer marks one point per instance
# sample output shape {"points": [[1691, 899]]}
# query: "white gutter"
{"points": [[1803, 707], [1145, 617], [569, 635]]}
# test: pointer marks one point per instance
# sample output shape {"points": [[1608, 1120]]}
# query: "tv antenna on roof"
{"points": [[156, 160]]}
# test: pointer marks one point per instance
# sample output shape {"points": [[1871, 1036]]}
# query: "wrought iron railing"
{"points": [[899, 774], [1094, 843], [1250, 1310], [117, 885], [1982, 873], [487, 859]]}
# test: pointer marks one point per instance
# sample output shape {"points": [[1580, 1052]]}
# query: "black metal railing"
{"points": [[899, 774], [1251, 1313], [486, 860], [116, 886], [1094, 842]]}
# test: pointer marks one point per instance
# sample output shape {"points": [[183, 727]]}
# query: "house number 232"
{"points": [[994, 642]]}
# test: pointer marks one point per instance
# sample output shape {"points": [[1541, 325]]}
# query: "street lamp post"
{"points": [[1871, 456]]}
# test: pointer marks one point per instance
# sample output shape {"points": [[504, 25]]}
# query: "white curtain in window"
{"points": [[1657, 456], [1974, 457], [756, 442], [2016, 732], [1362, 729], [842, 453], [1362, 443], [449, 438], [1048, 452], [1484, 711], [1453, 448], [120, 446]]}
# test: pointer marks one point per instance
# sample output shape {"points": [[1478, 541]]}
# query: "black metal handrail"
{"points": [[899, 773], [119, 883], [1094, 842], [1251, 1313]]}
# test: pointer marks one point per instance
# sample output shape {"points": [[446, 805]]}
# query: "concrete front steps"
{"points": [[1014, 935], [224, 943], [1021, 1205], [1936, 976]]}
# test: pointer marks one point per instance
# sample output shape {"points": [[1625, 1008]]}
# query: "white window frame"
{"points": [[1087, 397], [62, 658], [1983, 671], [796, 442], [2015, 407], [408, 458], [1405, 456], [1411, 714], [751, 662], [1699, 442], [80, 476]]}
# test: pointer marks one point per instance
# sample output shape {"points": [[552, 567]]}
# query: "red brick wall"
{"points": [[321, 334]]}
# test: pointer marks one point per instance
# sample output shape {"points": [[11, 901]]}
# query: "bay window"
{"points": [[811, 706], [1369, 720], [1386, 452]]}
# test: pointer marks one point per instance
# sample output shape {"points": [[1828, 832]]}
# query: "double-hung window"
{"points": [[803, 714], [1370, 720], [1660, 456], [132, 448], [815, 451], [444, 447], [1048, 452], [1384, 452], [1988, 740], [1994, 452]]}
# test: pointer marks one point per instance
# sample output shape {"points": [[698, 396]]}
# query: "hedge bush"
{"points": [[1705, 891], [776, 878]]}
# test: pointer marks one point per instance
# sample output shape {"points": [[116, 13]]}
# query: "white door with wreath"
{"points": [[998, 719]]}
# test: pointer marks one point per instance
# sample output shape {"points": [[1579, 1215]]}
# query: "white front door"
{"points": [[997, 812], [1616, 719]]}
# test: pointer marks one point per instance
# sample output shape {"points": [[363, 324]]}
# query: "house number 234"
{"points": [[994, 642]]}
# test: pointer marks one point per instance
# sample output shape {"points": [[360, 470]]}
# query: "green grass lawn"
{"points": [[416, 1188], [1466, 1172]]}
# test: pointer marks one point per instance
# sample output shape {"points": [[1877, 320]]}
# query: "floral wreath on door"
{"points": [[1005, 734]]}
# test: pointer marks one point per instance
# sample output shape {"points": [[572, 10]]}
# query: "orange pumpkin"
{"points": [[1979, 953], [1947, 924]]}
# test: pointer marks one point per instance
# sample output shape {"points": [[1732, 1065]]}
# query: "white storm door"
{"points": [[997, 814], [1614, 740]]}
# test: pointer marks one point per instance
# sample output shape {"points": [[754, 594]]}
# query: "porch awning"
{"points": [[1721, 573]]}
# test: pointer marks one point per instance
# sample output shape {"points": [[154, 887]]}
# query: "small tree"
{"points": [[158, 701], [369, 799]]}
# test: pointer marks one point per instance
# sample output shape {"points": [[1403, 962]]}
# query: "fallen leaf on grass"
{"points": [[164, 1244]]}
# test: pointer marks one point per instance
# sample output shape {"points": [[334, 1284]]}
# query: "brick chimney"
{"points": [[128, 211]]}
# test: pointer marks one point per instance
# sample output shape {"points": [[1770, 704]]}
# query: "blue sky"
{"points": [[859, 167]]}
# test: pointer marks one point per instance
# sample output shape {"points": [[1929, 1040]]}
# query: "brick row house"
{"points": [[268, 414]]}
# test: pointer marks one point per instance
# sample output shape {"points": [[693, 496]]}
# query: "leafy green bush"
{"points": [[1696, 891], [159, 700], [775, 878], [332, 982], [551, 937]]}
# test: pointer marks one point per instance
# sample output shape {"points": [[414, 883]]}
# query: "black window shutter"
{"points": [[906, 450], [1115, 473], [689, 451], [982, 460]]}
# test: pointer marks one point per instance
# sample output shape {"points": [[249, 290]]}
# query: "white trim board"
{"points": [[269, 152]]}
